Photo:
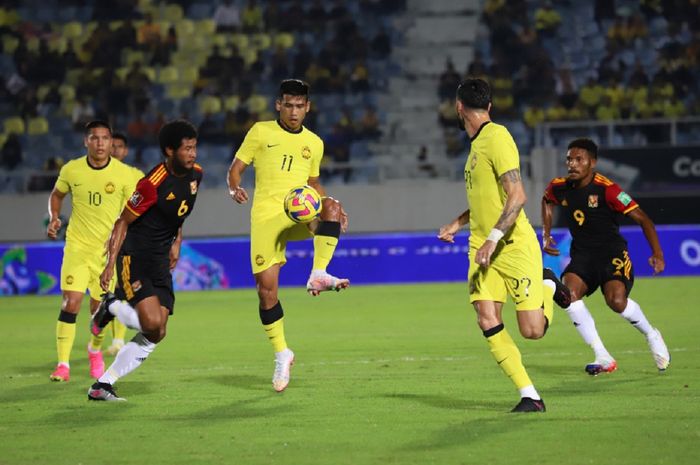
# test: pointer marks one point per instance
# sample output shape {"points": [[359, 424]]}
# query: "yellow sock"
{"points": [[324, 246], [275, 333], [95, 344], [65, 336], [273, 323], [507, 355], [548, 306], [118, 329]]}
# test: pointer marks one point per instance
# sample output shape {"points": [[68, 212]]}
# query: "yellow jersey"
{"points": [[493, 153], [98, 196], [282, 159], [136, 173]]}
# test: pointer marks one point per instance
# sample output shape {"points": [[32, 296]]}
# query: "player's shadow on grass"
{"points": [[257, 407], [450, 403], [248, 382]]}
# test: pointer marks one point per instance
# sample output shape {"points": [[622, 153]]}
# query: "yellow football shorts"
{"points": [[515, 270], [81, 270], [268, 240]]}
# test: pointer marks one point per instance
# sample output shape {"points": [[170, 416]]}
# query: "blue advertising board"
{"points": [[34, 268]]}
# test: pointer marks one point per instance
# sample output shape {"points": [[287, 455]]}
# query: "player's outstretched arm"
{"points": [[235, 173], [116, 239], [55, 204], [656, 261], [447, 232], [315, 182], [548, 242]]}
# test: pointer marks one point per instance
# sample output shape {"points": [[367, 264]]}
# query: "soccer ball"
{"points": [[302, 204]]}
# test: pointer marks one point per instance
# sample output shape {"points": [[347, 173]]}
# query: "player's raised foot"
{"points": [[114, 348], [283, 366], [528, 404], [320, 281], [103, 391], [562, 295], [658, 349], [601, 366], [97, 363], [102, 315], [60, 374]]}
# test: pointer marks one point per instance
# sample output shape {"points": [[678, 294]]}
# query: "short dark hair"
{"points": [[294, 87], [586, 144], [474, 93], [120, 135], [172, 133], [97, 123]]}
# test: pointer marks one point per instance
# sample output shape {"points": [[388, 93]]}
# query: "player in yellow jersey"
{"points": [[504, 254], [120, 150], [285, 155], [99, 186]]}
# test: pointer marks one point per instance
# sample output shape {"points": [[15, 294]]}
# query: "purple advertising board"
{"points": [[34, 268]]}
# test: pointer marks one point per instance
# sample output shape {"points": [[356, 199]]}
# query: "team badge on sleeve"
{"points": [[624, 198], [135, 199], [193, 187], [592, 201]]}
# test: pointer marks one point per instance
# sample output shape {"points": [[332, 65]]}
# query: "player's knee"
{"points": [[331, 209], [531, 332], [267, 296], [617, 303], [71, 304]]}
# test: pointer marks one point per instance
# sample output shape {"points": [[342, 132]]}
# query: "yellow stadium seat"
{"points": [[173, 13], [184, 28], [206, 27], [261, 41], [33, 44], [58, 44], [38, 126], [241, 41], [189, 74], [114, 25], [14, 124], [284, 39], [231, 102], [42, 91], [209, 104], [72, 30], [9, 44], [249, 56], [132, 56], [178, 91], [168, 75], [8, 17], [257, 103], [67, 92], [220, 39]]}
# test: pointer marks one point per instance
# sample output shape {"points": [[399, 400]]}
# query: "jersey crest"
{"points": [[110, 187], [593, 201], [193, 187], [306, 152]]}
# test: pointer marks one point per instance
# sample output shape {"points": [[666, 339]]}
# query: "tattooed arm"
{"points": [[515, 201]]}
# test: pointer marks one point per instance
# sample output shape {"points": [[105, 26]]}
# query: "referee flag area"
{"points": [[385, 374]]}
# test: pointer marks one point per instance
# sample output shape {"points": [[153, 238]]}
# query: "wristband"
{"points": [[495, 235]]}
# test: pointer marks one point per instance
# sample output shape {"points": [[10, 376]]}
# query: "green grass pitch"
{"points": [[384, 375]]}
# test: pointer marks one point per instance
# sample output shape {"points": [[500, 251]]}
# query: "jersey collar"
{"points": [[87, 160], [279, 123], [479, 131]]}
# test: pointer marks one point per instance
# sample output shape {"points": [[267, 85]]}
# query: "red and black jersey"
{"points": [[592, 211], [162, 202]]}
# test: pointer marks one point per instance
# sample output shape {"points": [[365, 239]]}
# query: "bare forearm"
{"points": [[55, 204], [463, 219], [546, 218], [116, 240], [509, 214], [652, 237]]}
